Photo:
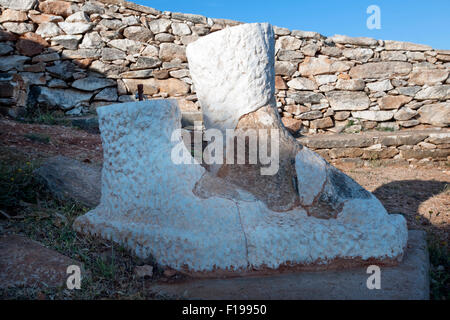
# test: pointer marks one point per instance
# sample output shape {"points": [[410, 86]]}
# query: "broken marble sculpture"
{"points": [[230, 218]]}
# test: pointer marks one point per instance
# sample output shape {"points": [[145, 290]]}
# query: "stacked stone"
{"points": [[352, 84], [76, 55], [408, 146]]}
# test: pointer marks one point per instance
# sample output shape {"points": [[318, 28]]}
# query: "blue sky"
{"points": [[426, 22]]}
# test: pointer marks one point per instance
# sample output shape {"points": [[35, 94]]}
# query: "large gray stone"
{"points": [[61, 98], [27, 263], [71, 179], [93, 83], [380, 70], [357, 41], [407, 281], [436, 92], [348, 100], [437, 114], [12, 62], [19, 4]]}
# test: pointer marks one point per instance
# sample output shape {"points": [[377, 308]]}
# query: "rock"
{"points": [[409, 123], [28, 264], [360, 54], [131, 21], [290, 55], [127, 45], [310, 115], [331, 51], [75, 27], [322, 65], [67, 41], [422, 154], [59, 8], [113, 24], [341, 115], [288, 43], [292, 125], [409, 91], [19, 4], [373, 115], [180, 29], [325, 79], [280, 84], [351, 85], [426, 145], [439, 138], [348, 100], [138, 34], [62, 69], [159, 25], [428, 76], [378, 86], [18, 28], [57, 83], [346, 153], [173, 87], [195, 18], [12, 62], [281, 31], [357, 41], [82, 54], [139, 74], [48, 29], [146, 63], [33, 78], [440, 92], [380, 70], [310, 49], [179, 74], [404, 114], [109, 70], [93, 7], [44, 18], [285, 68], [61, 98], [306, 97], [417, 56], [107, 94], [10, 15], [164, 37], [31, 44], [393, 102], [109, 54], [92, 40], [71, 179], [437, 114], [145, 271], [5, 49], [93, 83], [46, 57], [405, 46], [322, 123], [79, 16], [302, 84], [305, 34], [393, 56], [170, 51]]}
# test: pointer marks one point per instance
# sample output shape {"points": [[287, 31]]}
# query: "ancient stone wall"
{"points": [[76, 55]]}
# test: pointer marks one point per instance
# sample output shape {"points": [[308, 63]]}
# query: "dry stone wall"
{"points": [[76, 55]]}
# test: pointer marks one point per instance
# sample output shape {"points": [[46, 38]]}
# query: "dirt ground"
{"points": [[420, 193]]}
